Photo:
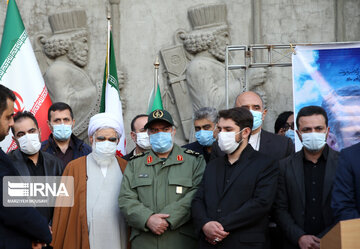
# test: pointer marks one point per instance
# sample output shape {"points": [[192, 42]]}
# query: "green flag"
{"points": [[155, 100], [110, 96]]}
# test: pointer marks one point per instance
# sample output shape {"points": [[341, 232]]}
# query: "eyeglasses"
{"points": [[110, 139], [289, 126]]}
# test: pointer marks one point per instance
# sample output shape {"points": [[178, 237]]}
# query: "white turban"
{"points": [[104, 120]]}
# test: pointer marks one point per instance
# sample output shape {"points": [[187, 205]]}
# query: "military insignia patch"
{"points": [[158, 114], [191, 152], [149, 159], [180, 158]]}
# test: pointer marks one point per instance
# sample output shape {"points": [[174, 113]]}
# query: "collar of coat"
{"points": [[176, 156]]}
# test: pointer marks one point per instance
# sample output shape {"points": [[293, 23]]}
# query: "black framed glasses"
{"points": [[289, 126]]}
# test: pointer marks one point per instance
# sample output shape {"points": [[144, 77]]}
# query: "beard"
{"points": [[217, 50], [101, 159], [78, 57]]}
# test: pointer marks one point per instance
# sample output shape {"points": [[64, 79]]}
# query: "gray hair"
{"points": [[209, 113]]}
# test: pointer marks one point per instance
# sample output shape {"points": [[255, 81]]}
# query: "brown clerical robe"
{"points": [[70, 228]]}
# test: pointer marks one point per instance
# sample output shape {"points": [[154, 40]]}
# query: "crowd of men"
{"points": [[236, 186]]}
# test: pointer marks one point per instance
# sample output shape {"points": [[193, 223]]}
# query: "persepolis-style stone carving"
{"points": [[205, 73], [196, 68], [65, 78]]}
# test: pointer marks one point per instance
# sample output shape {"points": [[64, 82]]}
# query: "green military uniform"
{"points": [[151, 185]]}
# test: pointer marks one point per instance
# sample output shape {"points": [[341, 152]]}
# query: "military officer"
{"points": [[158, 187]]}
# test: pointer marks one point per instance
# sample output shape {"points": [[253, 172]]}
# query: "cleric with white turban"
{"points": [[95, 216], [104, 120]]}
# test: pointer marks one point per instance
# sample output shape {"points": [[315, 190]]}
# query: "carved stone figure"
{"points": [[196, 68], [65, 78], [205, 73]]}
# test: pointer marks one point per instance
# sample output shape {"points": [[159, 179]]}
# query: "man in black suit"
{"points": [[306, 178], [275, 146], [19, 226], [205, 120], [28, 159], [139, 136], [230, 208], [268, 143]]}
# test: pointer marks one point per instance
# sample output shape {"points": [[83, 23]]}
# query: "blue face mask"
{"points": [[161, 142], [313, 141], [257, 119], [290, 134], [205, 138], [62, 132]]}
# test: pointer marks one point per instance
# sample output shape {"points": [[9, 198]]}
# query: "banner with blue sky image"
{"points": [[329, 76]]}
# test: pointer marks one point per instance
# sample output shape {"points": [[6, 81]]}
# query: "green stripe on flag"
{"points": [[155, 101], [13, 28], [112, 78]]}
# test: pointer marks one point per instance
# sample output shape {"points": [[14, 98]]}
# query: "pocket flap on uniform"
{"points": [[141, 182], [134, 233], [186, 182]]}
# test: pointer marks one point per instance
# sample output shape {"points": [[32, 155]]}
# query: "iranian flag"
{"points": [[110, 97], [20, 72]]}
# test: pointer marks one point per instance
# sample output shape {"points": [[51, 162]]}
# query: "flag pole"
{"points": [[156, 76], [108, 46]]}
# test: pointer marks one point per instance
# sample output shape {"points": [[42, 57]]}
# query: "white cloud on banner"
{"points": [[309, 92], [306, 62]]}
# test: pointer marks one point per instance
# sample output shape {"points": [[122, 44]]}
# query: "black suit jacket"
{"points": [[196, 146], [242, 208], [53, 166], [290, 200], [275, 146], [19, 226]]}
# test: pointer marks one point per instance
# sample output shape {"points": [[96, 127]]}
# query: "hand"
{"points": [[309, 242], [258, 76], [214, 232], [157, 223], [37, 245]]}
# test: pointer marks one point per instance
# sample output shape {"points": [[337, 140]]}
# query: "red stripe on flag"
{"points": [[12, 146], [40, 110]]}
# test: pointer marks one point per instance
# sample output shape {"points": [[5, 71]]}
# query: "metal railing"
{"points": [[263, 56]]}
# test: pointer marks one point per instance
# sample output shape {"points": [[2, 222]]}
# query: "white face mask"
{"points": [[143, 140], [313, 141], [104, 149], [30, 143], [227, 141]]}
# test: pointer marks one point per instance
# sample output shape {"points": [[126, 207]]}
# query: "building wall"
{"points": [[145, 27]]}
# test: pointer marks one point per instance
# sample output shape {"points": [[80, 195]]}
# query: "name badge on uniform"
{"points": [[143, 176], [179, 190]]}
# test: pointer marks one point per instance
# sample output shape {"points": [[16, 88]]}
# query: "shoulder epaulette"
{"points": [[191, 152], [136, 156]]}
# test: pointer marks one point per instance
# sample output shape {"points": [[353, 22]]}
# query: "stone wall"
{"points": [[148, 26]]}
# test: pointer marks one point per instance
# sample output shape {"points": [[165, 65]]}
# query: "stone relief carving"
{"points": [[66, 78], [196, 68]]}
